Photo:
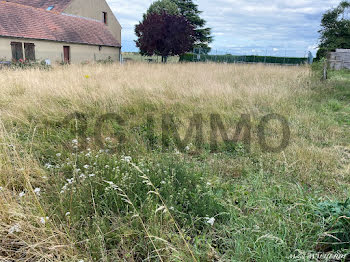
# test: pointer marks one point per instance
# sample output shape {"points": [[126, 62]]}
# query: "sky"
{"points": [[250, 27]]}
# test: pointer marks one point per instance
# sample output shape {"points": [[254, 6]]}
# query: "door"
{"points": [[66, 53]]}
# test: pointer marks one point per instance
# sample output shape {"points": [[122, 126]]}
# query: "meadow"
{"points": [[87, 174]]}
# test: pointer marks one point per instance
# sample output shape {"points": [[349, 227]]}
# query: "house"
{"points": [[340, 59], [71, 31]]}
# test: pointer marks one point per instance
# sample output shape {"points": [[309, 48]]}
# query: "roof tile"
{"points": [[59, 5], [22, 21]]}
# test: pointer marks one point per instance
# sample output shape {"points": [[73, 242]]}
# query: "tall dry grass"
{"points": [[31, 97]]}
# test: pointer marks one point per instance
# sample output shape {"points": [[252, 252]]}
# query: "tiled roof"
{"points": [[58, 5], [22, 21]]}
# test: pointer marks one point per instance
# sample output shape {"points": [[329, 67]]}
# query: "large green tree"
{"points": [[335, 31], [190, 11], [203, 34]]}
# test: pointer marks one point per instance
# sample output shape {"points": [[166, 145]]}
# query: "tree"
{"points": [[335, 32], [202, 34], [164, 34], [161, 6], [190, 11]]}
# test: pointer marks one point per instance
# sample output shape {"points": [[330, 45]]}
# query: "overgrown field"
{"points": [[91, 170]]}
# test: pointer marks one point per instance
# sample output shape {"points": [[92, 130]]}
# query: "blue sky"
{"points": [[275, 27]]}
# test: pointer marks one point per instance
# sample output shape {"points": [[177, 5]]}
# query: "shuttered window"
{"points": [[17, 51], [29, 50]]}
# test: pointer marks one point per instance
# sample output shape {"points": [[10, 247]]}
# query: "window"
{"points": [[104, 17], [29, 51], [17, 51], [50, 8]]}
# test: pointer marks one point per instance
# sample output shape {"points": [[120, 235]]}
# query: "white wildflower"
{"points": [[42, 220], [1, 188], [86, 166], [187, 148], [37, 191], [67, 214], [106, 166], [210, 221], [22, 194], [48, 166], [15, 229], [82, 176], [127, 159], [92, 175], [58, 154], [163, 182], [75, 141]]}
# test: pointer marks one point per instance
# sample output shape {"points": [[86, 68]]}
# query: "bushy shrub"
{"points": [[27, 64]]}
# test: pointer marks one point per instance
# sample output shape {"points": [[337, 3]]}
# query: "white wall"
{"points": [[54, 51]]}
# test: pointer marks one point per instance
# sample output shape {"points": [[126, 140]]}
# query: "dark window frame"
{"points": [[17, 51], [29, 51], [105, 18]]}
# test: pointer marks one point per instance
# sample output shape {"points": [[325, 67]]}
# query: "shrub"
{"points": [[26, 64], [336, 216]]}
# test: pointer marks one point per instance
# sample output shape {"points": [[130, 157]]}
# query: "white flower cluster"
{"points": [[126, 159], [72, 181], [75, 143], [210, 220], [15, 229], [37, 191], [43, 220]]}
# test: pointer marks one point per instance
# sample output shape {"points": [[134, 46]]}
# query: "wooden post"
{"points": [[325, 75]]}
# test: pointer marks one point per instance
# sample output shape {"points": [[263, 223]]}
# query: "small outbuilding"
{"points": [[70, 31], [340, 59]]}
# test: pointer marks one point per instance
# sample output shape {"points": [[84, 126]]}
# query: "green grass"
{"points": [[144, 204], [261, 213]]}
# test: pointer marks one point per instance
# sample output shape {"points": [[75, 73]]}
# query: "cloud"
{"points": [[240, 26]]}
